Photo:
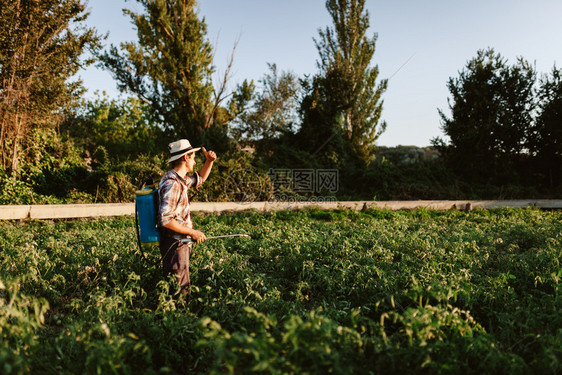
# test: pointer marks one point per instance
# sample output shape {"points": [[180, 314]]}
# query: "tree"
{"points": [[271, 112], [491, 107], [122, 126], [546, 143], [170, 67], [345, 96], [40, 48]]}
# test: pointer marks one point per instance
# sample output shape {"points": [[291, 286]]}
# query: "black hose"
{"points": [[137, 227]]}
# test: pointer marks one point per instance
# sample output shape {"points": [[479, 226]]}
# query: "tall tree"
{"points": [[491, 106], [170, 67], [546, 142], [271, 112], [41, 45], [345, 94]]}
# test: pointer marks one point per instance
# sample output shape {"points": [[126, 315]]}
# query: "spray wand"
{"points": [[189, 239]]}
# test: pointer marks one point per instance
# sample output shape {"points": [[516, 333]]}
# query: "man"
{"points": [[174, 217]]}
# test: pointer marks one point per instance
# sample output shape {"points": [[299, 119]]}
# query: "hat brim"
{"points": [[189, 151]]}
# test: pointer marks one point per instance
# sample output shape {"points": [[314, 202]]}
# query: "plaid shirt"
{"points": [[174, 200]]}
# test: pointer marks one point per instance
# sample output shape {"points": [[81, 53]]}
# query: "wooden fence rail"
{"points": [[67, 211]]}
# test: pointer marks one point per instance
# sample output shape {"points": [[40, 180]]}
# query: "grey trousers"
{"points": [[175, 261]]}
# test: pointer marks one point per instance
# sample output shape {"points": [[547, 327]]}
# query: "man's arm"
{"points": [[206, 168], [197, 235]]}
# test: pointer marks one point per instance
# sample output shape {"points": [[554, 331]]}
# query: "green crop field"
{"points": [[310, 292]]}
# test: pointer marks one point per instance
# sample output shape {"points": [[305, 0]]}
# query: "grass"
{"points": [[311, 292]]}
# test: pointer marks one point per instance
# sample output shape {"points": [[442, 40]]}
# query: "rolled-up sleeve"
{"points": [[195, 181]]}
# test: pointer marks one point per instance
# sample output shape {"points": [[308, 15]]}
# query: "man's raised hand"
{"points": [[210, 155]]}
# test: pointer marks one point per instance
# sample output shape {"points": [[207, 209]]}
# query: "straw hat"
{"points": [[180, 148]]}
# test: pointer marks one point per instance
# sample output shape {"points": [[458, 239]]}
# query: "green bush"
{"points": [[310, 292], [21, 316]]}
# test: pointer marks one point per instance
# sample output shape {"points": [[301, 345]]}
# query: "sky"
{"points": [[420, 45]]}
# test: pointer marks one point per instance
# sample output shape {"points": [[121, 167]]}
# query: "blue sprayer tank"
{"points": [[146, 202]]}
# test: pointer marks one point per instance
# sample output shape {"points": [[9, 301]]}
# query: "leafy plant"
{"points": [[311, 292]]}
